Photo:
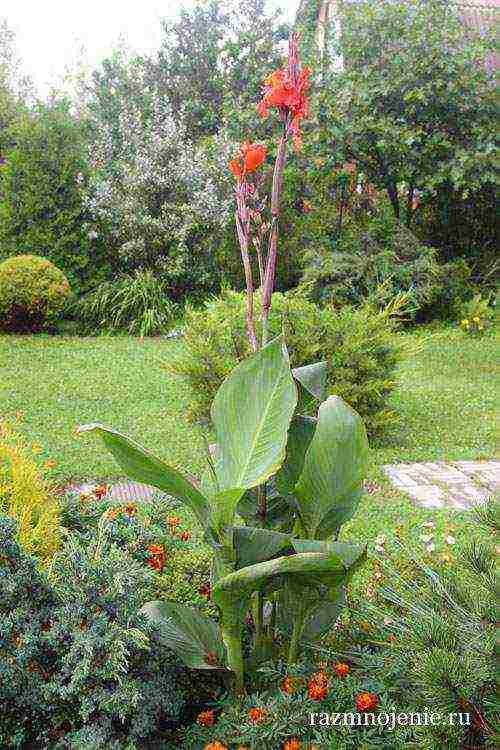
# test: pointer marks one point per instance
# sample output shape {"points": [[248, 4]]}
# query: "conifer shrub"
{"points": [[358, 344], [26, 494], [32, 293], [78, 666]]}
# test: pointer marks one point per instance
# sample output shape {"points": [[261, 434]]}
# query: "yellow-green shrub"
{"points": [[32, 292], [26, 495]]}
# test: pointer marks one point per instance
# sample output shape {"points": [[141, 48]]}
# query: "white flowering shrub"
{"points": [[159, 199]]}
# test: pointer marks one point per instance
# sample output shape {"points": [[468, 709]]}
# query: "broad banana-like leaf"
{"points": [[323, 604], [313, 379], [251, 414], [279, 516], [194, 638], [322, 610], [253, 545], [307, 570], [300, 434], [142, 466], [334, 468]]}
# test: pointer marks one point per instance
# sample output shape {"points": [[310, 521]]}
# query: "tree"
{"points": [[415, 105], [41, 186]]}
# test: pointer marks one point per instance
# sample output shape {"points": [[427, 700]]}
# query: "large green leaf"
{"points": [[308, 569], [323, 603], [300, 434], [312, 378], [251, 414], [253, 545], [140, 465], [334, 468], [194, 638], [279, 516]]}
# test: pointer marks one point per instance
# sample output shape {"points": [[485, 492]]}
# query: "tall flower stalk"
{"points": [[286, 90]]}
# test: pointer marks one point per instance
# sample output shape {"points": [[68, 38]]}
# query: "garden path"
{"points": [[458, 485]]}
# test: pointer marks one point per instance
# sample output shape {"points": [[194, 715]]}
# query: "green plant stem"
{"points": [[257, 610], [234, 650], [298, 627]]}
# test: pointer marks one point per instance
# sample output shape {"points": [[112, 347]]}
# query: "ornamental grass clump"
{"points": [[278, 485]]}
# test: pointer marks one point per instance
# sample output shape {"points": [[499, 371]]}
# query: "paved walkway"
{"points": [[458, 485]]}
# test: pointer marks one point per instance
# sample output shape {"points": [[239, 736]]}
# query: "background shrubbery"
{"points": [[358, 345], [32, 294]]}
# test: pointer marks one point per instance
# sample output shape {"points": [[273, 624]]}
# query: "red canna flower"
{"points": [[248, 158], [366, 701], [340, 669], [206, 718], [286, 89]]}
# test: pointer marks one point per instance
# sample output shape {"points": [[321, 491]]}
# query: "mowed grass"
{"points": [[57, 383], [447, 398]]}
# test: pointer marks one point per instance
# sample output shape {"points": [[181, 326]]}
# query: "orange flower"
{"points": [[288, 684], [340, 669], [286, 89], [205, 590], [112, 512], [185, 536], [156, 549], [206, 718], [257, 715], [366, 701], [100, 490], [215, 745], [174, 521], [131, 508], [248, 157], [292, 744], [321, 678], [317, 691], [49, 463]]}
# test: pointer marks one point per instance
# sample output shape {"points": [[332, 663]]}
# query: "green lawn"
{"points": [[447, 396]]}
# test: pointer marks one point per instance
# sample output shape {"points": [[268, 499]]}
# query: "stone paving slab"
{"points": [[457, 485]]}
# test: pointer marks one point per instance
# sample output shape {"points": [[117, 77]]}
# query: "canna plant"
{"points": [[278, 485]]}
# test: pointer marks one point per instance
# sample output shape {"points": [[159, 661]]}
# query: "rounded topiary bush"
{"points": [[32, 293], [358, 344]]}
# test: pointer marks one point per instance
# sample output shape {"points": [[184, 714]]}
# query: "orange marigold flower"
{"points": [[341, 669], [320, 678], [206, 718], [49, 463], [366, 701], [205, 590], [215, 745], [156, 549], [288, 684], [174, 520], [248, 157], [112, 512], [257, 715], [316, 690], [156, 563], [292, 744], [185, 536], [131, 508], [100, 490]]}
